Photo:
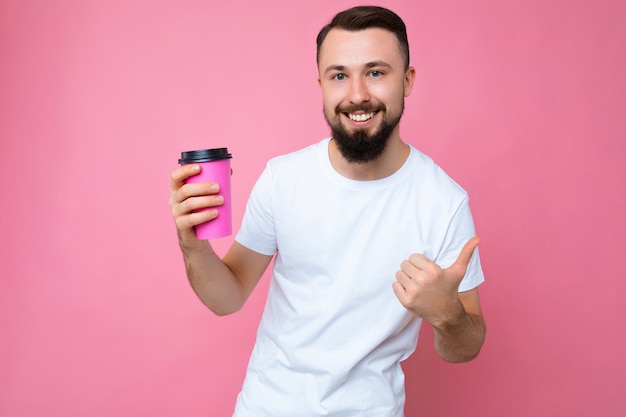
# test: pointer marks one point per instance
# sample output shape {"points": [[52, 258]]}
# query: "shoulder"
{"points": [[300, 162], [430, 176], [303, 155]]}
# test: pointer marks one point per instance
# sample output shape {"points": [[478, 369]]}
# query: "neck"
{"points": [[393, 157]]}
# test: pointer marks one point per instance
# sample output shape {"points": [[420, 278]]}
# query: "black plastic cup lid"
{"points": [[204, 155]]}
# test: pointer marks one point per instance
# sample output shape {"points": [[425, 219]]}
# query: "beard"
{"points": [[360, 146]]}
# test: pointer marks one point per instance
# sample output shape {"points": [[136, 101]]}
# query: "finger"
{"points": [[185, 225], [400, 292], [190, 190], [420, 261], [463, 260], [403, 278], [198, 203], [419, 274], [180, 175], [193, 219]]}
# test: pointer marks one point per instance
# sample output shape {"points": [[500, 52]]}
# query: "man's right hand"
{"points": [[191, 204]]}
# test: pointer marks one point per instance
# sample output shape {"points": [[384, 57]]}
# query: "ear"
{"points": [[409, 81]]}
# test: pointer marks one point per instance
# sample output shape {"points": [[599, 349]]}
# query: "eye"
{"points": [[340, 77], [376, 73]]}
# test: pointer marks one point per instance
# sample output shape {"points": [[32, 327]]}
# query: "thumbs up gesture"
{"points": [[431, 292]]}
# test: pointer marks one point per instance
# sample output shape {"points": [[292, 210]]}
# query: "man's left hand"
{"points": [[431, 292]]}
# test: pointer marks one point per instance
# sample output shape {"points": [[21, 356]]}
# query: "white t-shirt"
{"points": [[333, 333]]}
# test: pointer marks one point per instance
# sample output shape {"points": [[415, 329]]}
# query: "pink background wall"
{"points": [[523, 102]]}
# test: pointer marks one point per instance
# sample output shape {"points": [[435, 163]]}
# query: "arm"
{"points": [[431, 293], [460, 339], [223, 285]]}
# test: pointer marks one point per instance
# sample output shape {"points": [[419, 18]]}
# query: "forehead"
{"points": [[354, 48]]}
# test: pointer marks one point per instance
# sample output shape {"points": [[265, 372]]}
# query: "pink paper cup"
{"points": [[215, 165]]}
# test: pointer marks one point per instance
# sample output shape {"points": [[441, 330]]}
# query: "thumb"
{"points": [[459, 267]]}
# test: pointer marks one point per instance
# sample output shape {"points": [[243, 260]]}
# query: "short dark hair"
{"points": [[365, 17]]}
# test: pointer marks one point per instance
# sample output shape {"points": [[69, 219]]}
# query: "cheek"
{"points": [[391, 96], [382, 91], [331, 95], [331, 101]]}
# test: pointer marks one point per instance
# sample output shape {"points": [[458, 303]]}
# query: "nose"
{"points": [[359, 92]]}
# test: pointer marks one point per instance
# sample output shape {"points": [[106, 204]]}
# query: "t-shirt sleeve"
{"points": [[257, 230], [460, 230]]}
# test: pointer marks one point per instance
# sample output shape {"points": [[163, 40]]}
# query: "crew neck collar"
{"points": [[329, 170]]}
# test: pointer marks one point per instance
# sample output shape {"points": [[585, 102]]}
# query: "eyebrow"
{"points": [[368, 65], [377, 64]]}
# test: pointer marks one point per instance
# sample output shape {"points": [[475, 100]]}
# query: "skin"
{"points": [[223, 285], [359, 68], [356, 69]]}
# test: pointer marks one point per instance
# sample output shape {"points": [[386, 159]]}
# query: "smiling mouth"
{"points": [[360, 117]]}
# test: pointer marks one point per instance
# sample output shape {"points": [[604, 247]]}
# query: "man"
{"points": [[370, 238]]}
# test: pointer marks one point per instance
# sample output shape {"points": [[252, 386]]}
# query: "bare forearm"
{"points": [[223, 285], [462, 340], [211, 279]]}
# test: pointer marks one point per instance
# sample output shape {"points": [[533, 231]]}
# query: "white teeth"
{"points": [[360, 117]]}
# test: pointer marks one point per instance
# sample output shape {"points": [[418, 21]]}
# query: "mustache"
{"points": [[366, 108]]}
